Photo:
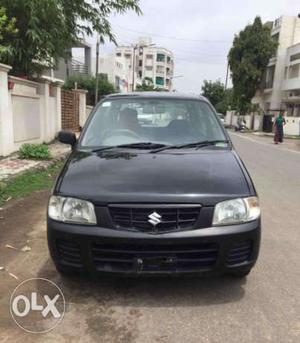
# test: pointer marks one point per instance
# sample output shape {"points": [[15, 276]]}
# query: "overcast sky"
{"points": [[199, 33]]}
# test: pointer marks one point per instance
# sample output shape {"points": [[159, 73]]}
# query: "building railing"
{"points": [[79, 67]]}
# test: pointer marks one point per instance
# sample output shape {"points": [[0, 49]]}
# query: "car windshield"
{"points": [[158, 121]]}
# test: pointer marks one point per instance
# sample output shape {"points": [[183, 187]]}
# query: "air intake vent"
{"points": [[240, 253]]}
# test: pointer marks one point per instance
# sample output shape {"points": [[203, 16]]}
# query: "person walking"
{"points": [[279, 122]]}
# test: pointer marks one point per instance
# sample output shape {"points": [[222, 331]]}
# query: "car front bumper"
{"points": [[215, 250]]}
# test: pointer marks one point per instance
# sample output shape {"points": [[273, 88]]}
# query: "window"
{"points": [[277, 23], [160, 58], [160, 81], [269, 78], [140, 63], [276, 37], [119, 54], [295, 57], [294, 71]]}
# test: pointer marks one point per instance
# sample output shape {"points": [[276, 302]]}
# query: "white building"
{"points": [[116, 71], [281, 86], [145, 60]]}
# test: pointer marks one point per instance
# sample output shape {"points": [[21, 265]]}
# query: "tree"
{"points": [[213, 91], [228, 102], [222, 99], [88, 83], [7, 27], [148, 86], [47, 29], [248, 58]]}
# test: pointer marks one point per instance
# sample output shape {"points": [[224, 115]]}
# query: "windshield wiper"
{"points": [[197, 145], [141, 145]]}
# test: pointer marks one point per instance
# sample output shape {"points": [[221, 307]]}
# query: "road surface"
{"points": [[263, 308]]}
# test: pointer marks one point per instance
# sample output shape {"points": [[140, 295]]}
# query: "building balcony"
{"points": [[79, 67], [291, 84], [160, 63], [291, 99]]}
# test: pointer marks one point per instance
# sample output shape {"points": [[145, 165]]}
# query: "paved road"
{"points": [[264, 308]]}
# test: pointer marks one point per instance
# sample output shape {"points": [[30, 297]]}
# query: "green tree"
{"points": [[7, 28], [213, 91], [228, 102], [46, 29], [88, 83], [222, 99], [248, 58]]}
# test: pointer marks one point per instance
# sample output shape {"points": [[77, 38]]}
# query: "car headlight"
{"points": [[236, 211], [71, 210]]}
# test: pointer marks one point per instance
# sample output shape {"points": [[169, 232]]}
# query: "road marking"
{"points": [[263, 143]]}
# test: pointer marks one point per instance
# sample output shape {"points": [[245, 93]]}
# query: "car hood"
{"points": [[205, 177]]}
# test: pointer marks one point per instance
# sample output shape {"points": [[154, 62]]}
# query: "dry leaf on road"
{"points": [[11, 247]]}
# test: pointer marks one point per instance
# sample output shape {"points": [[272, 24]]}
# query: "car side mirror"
{"points": [[67, 137]]}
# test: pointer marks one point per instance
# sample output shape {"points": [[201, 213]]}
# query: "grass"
{"points": [[35, 152], [29, 182]]}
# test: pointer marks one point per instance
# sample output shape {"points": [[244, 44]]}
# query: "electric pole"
{"points": [[97, 70], [227, 72], [133, 67]]}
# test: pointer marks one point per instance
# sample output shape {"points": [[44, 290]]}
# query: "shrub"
{"points": [[88, 83], [35, 152]]}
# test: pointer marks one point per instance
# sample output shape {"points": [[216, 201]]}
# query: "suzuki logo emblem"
{"points": [[154, 218]]}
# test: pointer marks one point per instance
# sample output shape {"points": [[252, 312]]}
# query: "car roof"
{"points": [[157, 95]]}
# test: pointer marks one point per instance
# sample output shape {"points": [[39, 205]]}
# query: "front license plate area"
{"points": [[155, 264]]}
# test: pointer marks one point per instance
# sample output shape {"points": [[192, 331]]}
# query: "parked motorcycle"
{"points": [[241, 127]]}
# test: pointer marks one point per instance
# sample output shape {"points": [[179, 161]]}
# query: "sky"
{"points": [[200, 33]]}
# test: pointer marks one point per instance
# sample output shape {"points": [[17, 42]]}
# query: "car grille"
{"points": [[240, 253], [172, 218], [69, 253], [124, 257]]}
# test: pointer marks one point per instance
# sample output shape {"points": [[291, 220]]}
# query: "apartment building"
{"points": [[145, 60], [280, 89], [116, 71]]}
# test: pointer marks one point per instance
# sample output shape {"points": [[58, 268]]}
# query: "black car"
{"points": [[153, 186]]}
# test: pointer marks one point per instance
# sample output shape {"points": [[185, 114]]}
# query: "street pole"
{"points": [[133, 68], [227, 72], [97, 70]]}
